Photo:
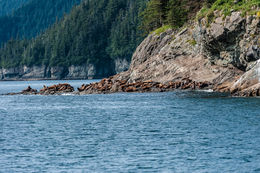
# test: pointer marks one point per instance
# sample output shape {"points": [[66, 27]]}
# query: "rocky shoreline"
{"points": [[73, 72], [109, 85], [112, 85], [223, 55]]}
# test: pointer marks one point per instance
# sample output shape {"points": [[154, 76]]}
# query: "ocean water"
{"points": [[147, 132]]}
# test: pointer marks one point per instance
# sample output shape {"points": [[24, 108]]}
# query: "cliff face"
{"points": [[249, 83], [219, 52], [43, 72], [223, 56], [88, 71], [53, 73]]}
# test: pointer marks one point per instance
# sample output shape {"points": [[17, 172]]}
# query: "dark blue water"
{"points": [[150, 132]]}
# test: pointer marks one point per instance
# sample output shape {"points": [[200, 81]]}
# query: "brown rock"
{"points": [[29, 90], [57, 89], [130, 89]]}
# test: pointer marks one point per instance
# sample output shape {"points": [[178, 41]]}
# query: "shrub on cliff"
{"points": [[163, 12], [247, 7], [174, 13]]}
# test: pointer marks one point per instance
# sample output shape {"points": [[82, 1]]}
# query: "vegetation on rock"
{"points": [[98, 32], [247, 7], [159, 13]]}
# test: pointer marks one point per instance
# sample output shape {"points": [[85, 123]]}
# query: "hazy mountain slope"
{"points": [[103, 34], [8, 6], [32, 18]]}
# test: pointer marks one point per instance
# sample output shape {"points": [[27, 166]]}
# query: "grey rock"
{"points": [[44, 72], [34, 72], [12, 72], [248, 83], [121, 65], [227, 41], [81, 72], [253, 53], [58, 72], [1, 74], [219, 53]]}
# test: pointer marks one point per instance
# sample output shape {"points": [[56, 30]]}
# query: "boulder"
{"points": [[248, 84], [130, 89], [111, 85], [56, 89], [29, 90]]}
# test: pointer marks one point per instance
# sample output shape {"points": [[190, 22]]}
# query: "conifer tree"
{"points": [[154, 15], [177, 14]]}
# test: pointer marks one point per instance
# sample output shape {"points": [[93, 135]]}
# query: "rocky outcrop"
{"points": [[47, 90], [121, 65], [222, 55], [27, 91], [218, 53], [81, 72], [84, 71], [231, 40], [56, 89], [44, 72], [109, 85], [248, 84], [34, 71]]}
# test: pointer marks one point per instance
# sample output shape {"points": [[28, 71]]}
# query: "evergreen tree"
{"points": [[154, 15], [177, 14], [94, 32], [164, 12], [33, 18], [8, 6]]}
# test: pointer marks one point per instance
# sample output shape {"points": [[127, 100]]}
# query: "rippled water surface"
{"points": [[150, 132]]}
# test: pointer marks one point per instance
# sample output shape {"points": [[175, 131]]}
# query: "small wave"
{"points": [[68, 94], [208, 91]]}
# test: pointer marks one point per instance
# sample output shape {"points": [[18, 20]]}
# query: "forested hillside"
{"points": [[170, 13], [101, 32], [174, 13], [95, 32], [32, 18], [8, 6]]}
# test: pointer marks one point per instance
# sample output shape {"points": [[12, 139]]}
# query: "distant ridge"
{"points": [[96, 39], [8, 6], [32, 18]]}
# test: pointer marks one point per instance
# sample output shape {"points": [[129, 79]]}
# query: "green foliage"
{"points": [[124, 34], [154, 15], [13, 50], [192, 42], [177, 13], [162, 29], [32, 18], [8, 6], [163, 12], [248, 7], [94, 32]]}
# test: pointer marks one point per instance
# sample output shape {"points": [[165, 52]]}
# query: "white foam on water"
{"points": [[208, 91], [67, 94]]}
